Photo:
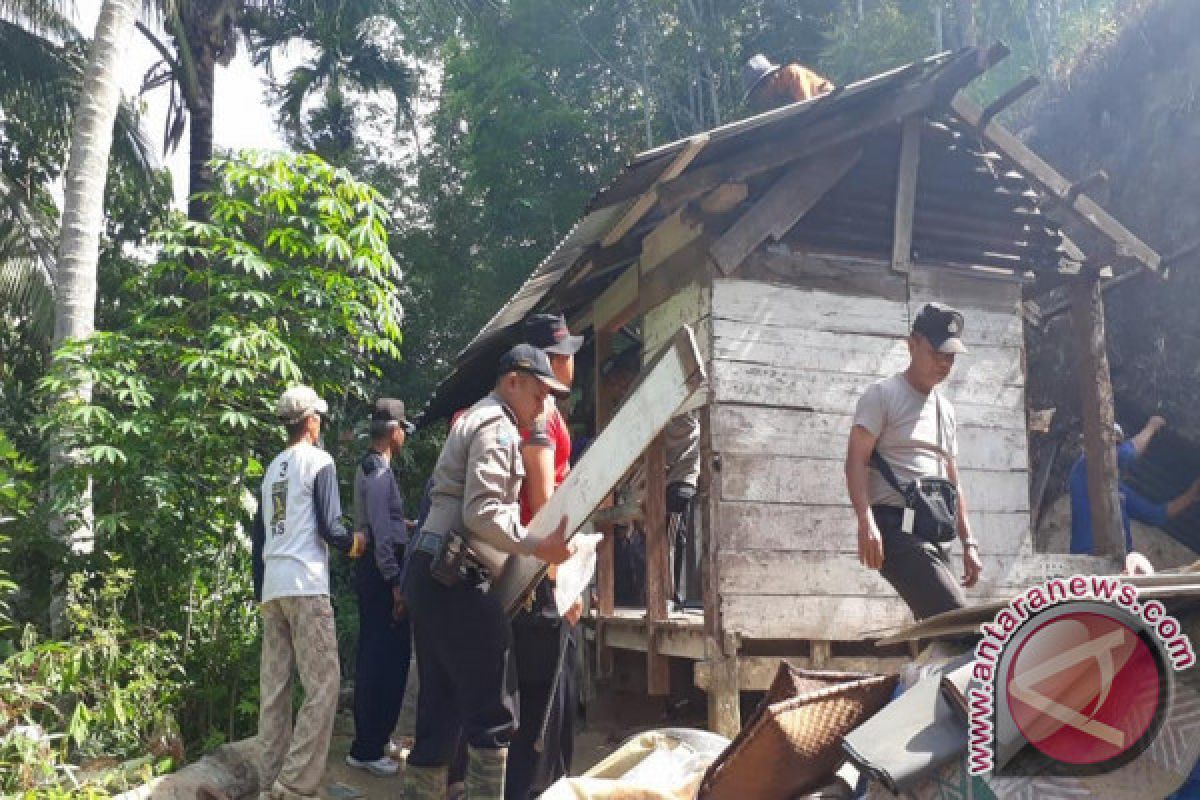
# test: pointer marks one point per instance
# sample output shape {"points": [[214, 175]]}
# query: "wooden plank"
{"points": [[811, 617], [807, 309], [788, 573], [688, 306], [724, 697], [753, 384], [767, 305], [724, 198], [646, 201], [653, 400], [763, 430], [791, 197], [843, 275], [782, 479], [1096, 399], [673, 233], [906, 192], [605, 552], [975, 290], [782, 527], [756, 673], [658, 567], [1081, 214], [618, 303], [853, 353]]}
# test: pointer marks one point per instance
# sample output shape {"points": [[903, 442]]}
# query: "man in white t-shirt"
{"points": [[299, 518], [915, 432]]}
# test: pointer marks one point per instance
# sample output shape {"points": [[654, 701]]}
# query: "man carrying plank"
{"points": [[461, 632], [902, 473]]}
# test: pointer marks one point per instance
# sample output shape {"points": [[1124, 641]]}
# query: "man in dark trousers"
{"points": [[461, 632], [384, 638], [915, 432], [545, 644]]}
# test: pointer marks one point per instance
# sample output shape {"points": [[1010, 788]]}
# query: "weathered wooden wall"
{"points": [[788, 364]]}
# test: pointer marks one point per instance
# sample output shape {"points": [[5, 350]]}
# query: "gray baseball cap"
{"points": [[299, 402]]}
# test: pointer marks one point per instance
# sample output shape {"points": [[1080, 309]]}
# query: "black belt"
{"points": [[431, 544], [427, 542]]}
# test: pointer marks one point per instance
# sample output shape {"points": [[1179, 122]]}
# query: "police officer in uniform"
{"points": [[461, 633]]}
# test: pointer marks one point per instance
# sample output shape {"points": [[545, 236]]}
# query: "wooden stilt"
{"points": [[1096, 397], [658, 576], [724, 694]]}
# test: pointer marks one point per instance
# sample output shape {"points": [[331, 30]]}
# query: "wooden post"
{"points": [[906, 193], [720, 650], [658, 564], [1096, 398], [605, 557], [724, 692]]}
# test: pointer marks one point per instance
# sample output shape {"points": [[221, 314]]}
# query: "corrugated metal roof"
{"points": [[607, 206]]}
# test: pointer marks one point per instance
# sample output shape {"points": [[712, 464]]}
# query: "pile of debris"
{"points": [[819, 734]]}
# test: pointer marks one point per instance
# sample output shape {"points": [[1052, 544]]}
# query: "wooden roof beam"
{"points": [[639, 207], [791, 197], [1081, 216]]}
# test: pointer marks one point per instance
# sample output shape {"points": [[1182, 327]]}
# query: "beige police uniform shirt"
{"points": [[477, 484]]}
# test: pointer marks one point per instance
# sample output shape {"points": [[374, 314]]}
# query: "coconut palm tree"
{"points": [[352, 50], [42, 63]]}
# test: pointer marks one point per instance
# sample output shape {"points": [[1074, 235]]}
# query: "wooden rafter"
{"points": [[791, 197], [1082, 218], [906, 192]]}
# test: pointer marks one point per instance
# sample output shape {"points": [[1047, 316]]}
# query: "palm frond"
{"points": [[45, 78], [43, 17], [27, 261]]}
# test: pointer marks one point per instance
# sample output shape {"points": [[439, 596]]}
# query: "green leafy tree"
{"points": [[296, 285]]}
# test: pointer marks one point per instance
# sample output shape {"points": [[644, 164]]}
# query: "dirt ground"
{"points": [[620, 710]]}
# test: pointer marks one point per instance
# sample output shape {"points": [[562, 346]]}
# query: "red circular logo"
{"points": [[1084, 688]]}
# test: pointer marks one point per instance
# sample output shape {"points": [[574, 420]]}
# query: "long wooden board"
{"points": [[764, 430], [807, 309], [674, 375], [843, 618], [754, 384], [852, 353], [791, 573], [782, 479], [781, 527]]}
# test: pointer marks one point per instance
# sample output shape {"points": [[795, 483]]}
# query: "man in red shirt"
{"points": [[540, 635]]}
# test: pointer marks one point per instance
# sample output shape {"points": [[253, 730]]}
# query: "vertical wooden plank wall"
{"points": [[788, 364]]}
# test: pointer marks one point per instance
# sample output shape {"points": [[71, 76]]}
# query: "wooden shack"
{"points": [[798, 245]]}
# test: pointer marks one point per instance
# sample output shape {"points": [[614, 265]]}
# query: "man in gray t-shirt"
{"points": [[915, 431]]}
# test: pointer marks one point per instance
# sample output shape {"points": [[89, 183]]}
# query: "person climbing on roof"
{"points": [[769, 86], [1133, 504]]}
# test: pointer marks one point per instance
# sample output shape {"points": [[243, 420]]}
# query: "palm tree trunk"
{"points": [[83, 198], [200, 134]]}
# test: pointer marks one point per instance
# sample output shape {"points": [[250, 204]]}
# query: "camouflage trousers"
{"points": [[298, 634]]}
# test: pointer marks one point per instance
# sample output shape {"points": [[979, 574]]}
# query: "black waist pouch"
{"points": [[449, 563], [934, 504]]}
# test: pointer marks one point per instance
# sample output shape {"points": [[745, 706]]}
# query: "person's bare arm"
{"points": [[1184, 501], [539, 475], [858, 458], [972, 563], [1142, 440]]}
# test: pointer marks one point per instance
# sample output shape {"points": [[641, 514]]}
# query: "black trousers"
{"points": [[463, 645], [538, 640], [381, 665], [918, 570]]}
